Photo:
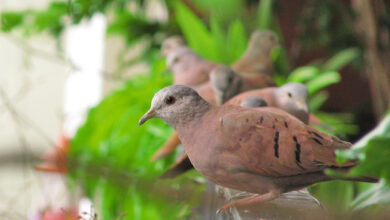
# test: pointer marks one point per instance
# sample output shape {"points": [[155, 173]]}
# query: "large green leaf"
{"points": [[317, 100], [265, 15], [323, 80], [373, 151], [236, 41], [378, 194], [359, 150], [334, 195], [304, 73], [10, 20], [341, 59], [195, 32]]}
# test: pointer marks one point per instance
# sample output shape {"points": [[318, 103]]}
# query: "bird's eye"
{"points": [[170, 100], [289, 94]]}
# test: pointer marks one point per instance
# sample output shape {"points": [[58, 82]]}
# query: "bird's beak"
{"points": [[148, 115], [301, 103], [218, 97], [218, 100]]}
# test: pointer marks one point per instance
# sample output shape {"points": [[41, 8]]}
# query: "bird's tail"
{"points": [[345, 170]]}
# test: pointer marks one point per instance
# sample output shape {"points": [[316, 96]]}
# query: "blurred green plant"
{"points": [[110, 156], [373, 152]]}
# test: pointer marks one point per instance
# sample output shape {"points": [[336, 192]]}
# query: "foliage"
{"points": [[374, 155], [211, 44], [110, 155], [59, 14], [372, 151]]}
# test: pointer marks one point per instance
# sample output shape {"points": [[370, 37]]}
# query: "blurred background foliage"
{"points": [[110, 153]]}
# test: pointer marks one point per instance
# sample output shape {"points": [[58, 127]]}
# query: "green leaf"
{"points": [[341, 59], [10, 20], [323, 80], [359, 149], [334, 195], [236, 41], [195, 32], [340, 123], [265, 14], [133, 27], [50, 19], [304, 73], [219, 39], [224, 11], [317, 100], [377, 194]]}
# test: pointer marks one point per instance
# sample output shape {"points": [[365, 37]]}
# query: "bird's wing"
{"points": [[271, 142]]}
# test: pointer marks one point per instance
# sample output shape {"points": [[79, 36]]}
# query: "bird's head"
{"points": [[175, 104], [292, 97], [264, 41], [170, 44], [225, 82], [179, 57]]}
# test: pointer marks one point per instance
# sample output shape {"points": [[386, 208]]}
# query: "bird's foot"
{"points": [[225, 207], [250, 200]]}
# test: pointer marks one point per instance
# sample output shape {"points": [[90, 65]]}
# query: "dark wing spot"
{"points": [[276, 144], [247, 120], [297, 150], [316, 134], [285, 124], [273, 126], [318, 141]]}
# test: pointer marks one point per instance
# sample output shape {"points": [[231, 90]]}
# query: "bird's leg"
{"points": [[241, 195], [250, 200]]}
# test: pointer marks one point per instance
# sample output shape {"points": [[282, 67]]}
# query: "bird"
{"points": [[257, 57], [290, 97], [264, 151], [227, 83], [171, 44], [214, 91], [188, 68]]}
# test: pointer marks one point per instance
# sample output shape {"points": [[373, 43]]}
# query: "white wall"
{"points": [[35, 85]]}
